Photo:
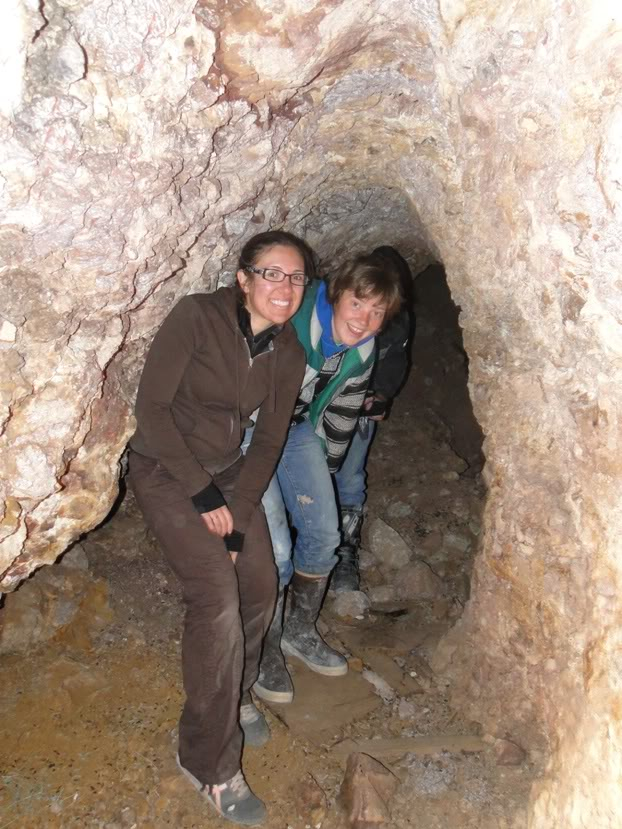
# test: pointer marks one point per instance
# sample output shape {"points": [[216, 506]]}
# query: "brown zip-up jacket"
{"points": [[198, 389]]}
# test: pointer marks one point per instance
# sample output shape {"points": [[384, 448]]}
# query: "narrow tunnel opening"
{"points": [[425, 466]]}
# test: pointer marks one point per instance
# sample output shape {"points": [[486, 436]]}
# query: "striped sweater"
{"points": [[333, 390]]}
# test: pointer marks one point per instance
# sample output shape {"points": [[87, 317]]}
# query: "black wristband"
{"points": [[208, 499], [378, 407], [234, 541]]}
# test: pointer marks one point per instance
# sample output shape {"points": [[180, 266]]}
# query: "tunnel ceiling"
{"points": [[146, 141]]}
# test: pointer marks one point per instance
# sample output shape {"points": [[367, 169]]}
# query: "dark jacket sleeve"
{"points": [[167, 360], [393, 356], [269, 436]]}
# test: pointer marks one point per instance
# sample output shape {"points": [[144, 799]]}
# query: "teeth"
{"points": [[282, 303]]}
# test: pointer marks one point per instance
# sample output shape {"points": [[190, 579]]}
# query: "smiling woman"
{"points": [[217, 359], [362, 297], [336, 324], [273, 286], [355, 320]]}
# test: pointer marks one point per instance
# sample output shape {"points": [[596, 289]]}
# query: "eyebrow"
{"points": [[279, 268], [383, 304]]}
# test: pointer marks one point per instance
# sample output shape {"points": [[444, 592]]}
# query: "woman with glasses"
{"points": [[216, 360], [337, 325]]}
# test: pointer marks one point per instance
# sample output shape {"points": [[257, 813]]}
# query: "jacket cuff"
{"points": [[208, 499], [234, 542]]}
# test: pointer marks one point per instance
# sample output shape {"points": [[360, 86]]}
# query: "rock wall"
{"points": [[145, 141], [536, 652]]}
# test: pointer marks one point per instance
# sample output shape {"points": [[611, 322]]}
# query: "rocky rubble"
{"points": [[50, 602], [366, 791]]}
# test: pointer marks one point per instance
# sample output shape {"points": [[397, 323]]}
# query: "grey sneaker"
{"points": [[233, 799], [254, 725]]}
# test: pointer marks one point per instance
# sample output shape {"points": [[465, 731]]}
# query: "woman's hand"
{"points": [[218, 521]]}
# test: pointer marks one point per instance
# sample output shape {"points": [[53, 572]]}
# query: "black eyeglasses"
{"points": [[275, 275]]}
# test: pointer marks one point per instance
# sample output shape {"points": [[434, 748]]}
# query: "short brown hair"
{"points": [[367, 276]]}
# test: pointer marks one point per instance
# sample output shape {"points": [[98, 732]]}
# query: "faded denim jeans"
{"points": [[304, 488], [351, 478]]}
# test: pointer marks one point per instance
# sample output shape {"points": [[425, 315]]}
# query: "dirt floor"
{"points": [[88, 729]]}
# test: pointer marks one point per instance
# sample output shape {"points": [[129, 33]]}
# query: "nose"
{"points": [[285, 288], [363, 318]]}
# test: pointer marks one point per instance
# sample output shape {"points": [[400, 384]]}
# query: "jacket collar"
{"points": [[257, 343]]}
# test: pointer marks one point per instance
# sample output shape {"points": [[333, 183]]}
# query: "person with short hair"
{"points": [[337, 325], [217, 360], [387, 379]]}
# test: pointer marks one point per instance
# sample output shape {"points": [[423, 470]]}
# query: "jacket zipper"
{"points": [[251, 359]]}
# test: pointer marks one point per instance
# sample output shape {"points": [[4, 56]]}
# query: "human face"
{"points": [[272, 303], [356, 319]]}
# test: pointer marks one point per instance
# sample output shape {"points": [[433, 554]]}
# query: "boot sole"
{"points": [[325, 670], [266, 694]]}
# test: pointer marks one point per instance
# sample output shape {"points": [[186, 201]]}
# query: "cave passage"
{"points": [[107, 685], [425, 464], [143, 143]]}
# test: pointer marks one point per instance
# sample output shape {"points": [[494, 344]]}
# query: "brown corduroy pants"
{"points": [[228, 611]]}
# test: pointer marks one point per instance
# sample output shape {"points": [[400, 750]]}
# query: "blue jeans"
{"points": [[351, 478], [302, 486]]}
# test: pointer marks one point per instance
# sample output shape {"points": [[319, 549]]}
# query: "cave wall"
{"points": [[147, 140], [541, 156]]}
